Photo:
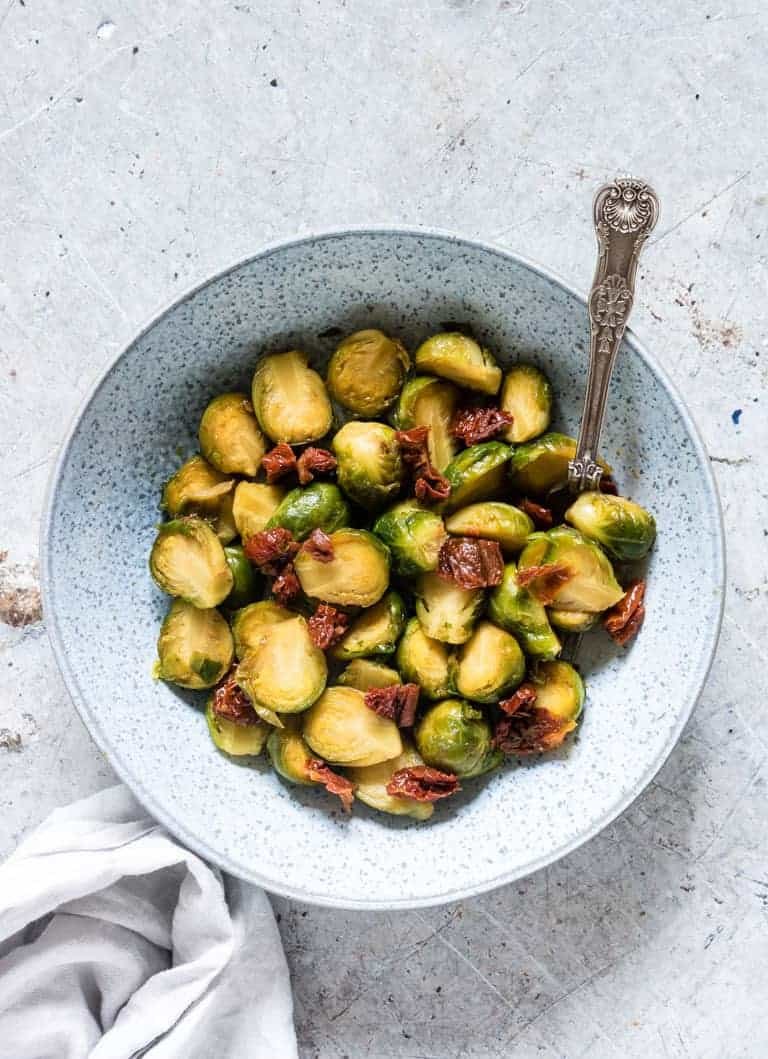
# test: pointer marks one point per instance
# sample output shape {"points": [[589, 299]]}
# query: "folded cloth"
{"points": [[116, 943]]}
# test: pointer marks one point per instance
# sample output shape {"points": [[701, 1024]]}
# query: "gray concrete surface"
{"points": [[145, 145]]}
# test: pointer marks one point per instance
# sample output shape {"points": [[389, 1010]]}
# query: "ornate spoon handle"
{"points": [[625, 213]]}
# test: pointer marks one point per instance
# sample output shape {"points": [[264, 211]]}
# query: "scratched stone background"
{"points": [[144, 146]]}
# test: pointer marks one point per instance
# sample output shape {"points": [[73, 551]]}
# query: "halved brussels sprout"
{"points": [[356, 576], [320, 505], [254, 505], [445, 610], [375, 632], [366, 372], [290, 755], [459, 358], [425, 661], [489, 665], [244, 581], [559, 690], [625, 529], [230, 438], [455, 737], [527, 396], [341, 729], [514, 608], [236, 739], [539, 465], [592, 585], [284, 672], [493, 521], [223, 521], [187, 560], [371, 786], [414, 536], [477, 473], [196, 488], [194, 647], [574, 621], [370, 470], [429, 402], [248, 624], [364, 674], [290, 399]]}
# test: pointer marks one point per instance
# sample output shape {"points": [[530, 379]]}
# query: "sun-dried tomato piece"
{"points": [[623, 621], [544, 582], [473, 425], [231, 703], [314, 461], [327, 626], [279, 461], [413, 446], [531, 731], [319, 772], [319, 545], [397, 702], [608, 485], [271, 549], [286, 585], [542, 516], [422, 784], [522, 699], [432, 487], [471, 562]]}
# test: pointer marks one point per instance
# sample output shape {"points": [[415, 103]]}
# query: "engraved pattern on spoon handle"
{"points": [[625, 213]]}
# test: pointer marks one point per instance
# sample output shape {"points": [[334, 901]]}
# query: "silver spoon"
{"points": [[625, 213]]}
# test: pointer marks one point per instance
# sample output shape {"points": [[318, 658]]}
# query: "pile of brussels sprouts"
{"points": [[467, 649]]}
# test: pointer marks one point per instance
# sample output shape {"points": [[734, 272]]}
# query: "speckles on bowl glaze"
{"points": [[107, 611]]}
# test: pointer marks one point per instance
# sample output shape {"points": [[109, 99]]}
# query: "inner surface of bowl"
{"points": [[104, 611]]}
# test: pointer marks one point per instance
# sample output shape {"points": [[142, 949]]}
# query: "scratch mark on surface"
{"points": [[699, 208]]}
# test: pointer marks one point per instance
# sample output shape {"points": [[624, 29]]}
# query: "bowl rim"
{"points": [[197, 843]]}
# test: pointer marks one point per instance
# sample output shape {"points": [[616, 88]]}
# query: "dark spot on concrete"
{"points": [[78, 99], [12, 373], [20, 602], [10, 740], [273, 82], [697, 95], [135, 49], [736, 416]]}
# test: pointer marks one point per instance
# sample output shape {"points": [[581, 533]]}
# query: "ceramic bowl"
{"points": [[104, 612]]}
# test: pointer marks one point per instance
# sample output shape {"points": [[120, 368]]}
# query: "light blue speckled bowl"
{"points": [[103, 611]]}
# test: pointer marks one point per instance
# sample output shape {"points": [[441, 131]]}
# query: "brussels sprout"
{"points": [[516, 610], [592, 585], [445, 610], [375, 632], [223, 521], [366, 372], [455, 737], [236, 739], [341, 729], [559, 690], [284, 672], [248, 624], [574, 621], [477, 473], [254, 505], [320, 505], [460, 359], [245, 582], [493, 521], [188, 560], [429, 402], [356, 576], [196, 488], [371, 787], [624, 529], [370, 470], [290, 399], [489, 665], [414, 536], [290, 755], [527, 396], [364, 674], [230, 438], [539, 465], [194, 647], [425, 662]]}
